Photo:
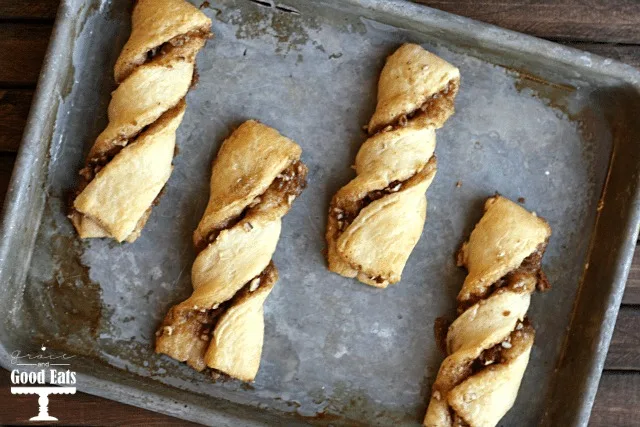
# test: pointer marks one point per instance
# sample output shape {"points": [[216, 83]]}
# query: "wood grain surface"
{"points": [[41, 10], [607, 28], [22, 47], [615, 21], [14, 108]]}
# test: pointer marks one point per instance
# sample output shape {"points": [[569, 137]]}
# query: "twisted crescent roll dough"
{"points": [[376, 220], [255, 178], [130, 161], [490, 341]]}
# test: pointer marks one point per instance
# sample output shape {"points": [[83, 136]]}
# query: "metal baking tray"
{"points": [[534, 120]]}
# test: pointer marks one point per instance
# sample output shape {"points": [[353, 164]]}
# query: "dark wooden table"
{"points": [[608, 28]]}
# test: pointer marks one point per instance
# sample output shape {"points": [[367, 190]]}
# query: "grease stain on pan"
{"points": [[253, 21], [346, 405], [68, 307], [555, 95]]}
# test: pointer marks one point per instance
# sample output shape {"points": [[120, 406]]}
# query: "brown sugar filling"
{"points": [[507, 350], [440, 330], [200, 323], [346, 212], [175, 42], [510, 348], [346, 216], [517, 280], [432, 106], [285, 187], [186, 326], [95, 165]]}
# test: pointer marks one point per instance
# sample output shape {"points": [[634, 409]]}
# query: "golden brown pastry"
{"points": [[488, 345], [376, 220], [255, 179], [130, 161]]}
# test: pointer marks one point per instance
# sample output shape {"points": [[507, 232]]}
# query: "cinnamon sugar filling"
{"points": [[284, 189], [346, 216], [176, 42], [523, 279], [517, 342], [432, 106], [345, 213], [200, 322]]}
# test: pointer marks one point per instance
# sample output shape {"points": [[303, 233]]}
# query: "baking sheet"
{"points": [[335, 351]]}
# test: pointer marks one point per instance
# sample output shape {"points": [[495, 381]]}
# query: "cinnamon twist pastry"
{"points": [[376, 220], [255, 178], [490, 341], [130, 161]]}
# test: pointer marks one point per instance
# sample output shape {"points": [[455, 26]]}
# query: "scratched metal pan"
{"points": [[553, 126]]}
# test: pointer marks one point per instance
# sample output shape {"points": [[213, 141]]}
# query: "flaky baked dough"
{"points": [[411, 78], [255, 179], [376, 220], [490, 341], [130, 161]]}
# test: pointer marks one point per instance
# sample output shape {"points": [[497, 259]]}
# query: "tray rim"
{"points": [[36, 127]]}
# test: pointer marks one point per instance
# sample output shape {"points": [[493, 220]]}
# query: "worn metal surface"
{"points": [[534, 120]]}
